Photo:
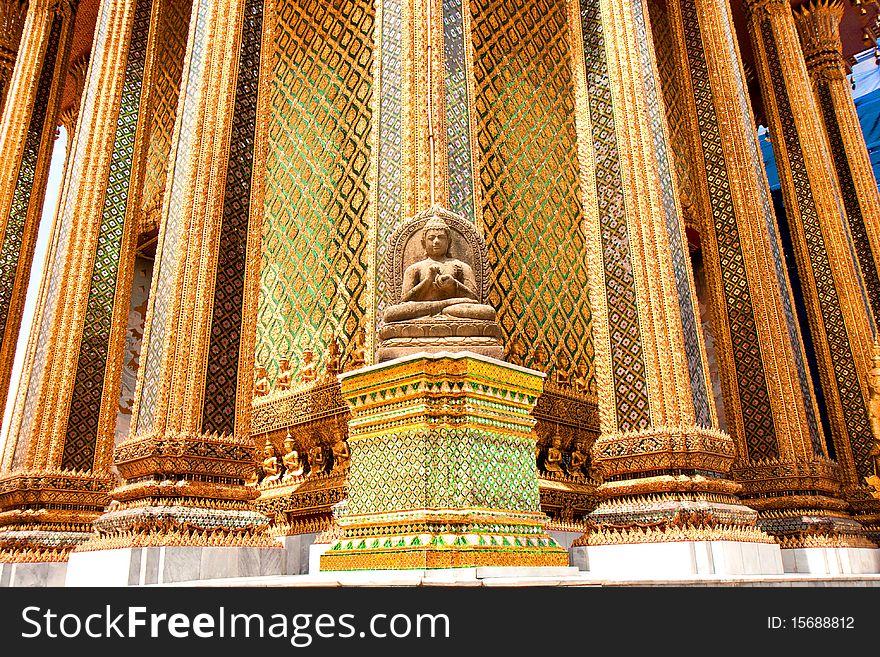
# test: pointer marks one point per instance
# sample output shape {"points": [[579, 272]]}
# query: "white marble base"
{"points": [[298, 548], [171, 564], [680, 559], [32, 574], [832, 561], [577, 558]]}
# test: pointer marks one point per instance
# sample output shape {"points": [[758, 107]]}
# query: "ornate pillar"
{"points": [[838, 310], [68, 115], [27, 135], [64, 433], [190, 451], [665, 463], [768, 397], [425, 151], [818, 24], [12, 16]]}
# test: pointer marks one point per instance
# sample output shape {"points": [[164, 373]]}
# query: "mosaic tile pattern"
{"points": [[757, 414], [85, 404], [855, 219], [314, 269], [169, 238], [164, 92], [59, 256], [389, 173], [628, 367], [531, 206], [700, 394], [10, 249], [417, 468], [221, 376], [781, 277], [854, 408], [458, 122]]}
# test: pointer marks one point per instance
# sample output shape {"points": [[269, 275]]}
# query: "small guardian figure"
{"points": [[270, 465], [307, 374], [334, 366], [358, 357], [317, 460], [553, 460], [341, 456], [293, 464], [579, 458], [285, 375], [261, 381]]}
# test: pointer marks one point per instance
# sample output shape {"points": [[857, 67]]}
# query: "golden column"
{"points": [[423, 122], [63, 432], [665, 463], [838, 310], [818, 25], [768, 397], [12, 17], [27, 135], [190, 451], [67, 117]]}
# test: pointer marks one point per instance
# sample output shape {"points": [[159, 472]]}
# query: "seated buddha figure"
{"points": [[441, 305], [438, 283]]}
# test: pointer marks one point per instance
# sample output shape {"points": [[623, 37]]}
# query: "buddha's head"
{"points": [[436, 237]]}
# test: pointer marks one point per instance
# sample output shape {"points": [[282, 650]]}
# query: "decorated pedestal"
{"points": [[442, 468]]}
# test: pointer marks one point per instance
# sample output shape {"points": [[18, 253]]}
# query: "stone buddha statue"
{"points": [[441, 303]]}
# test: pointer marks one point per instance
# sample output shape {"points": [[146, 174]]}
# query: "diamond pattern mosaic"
{"points": [[854, 408], [628, 367], [314, 270], [757, 416], [458, 122], [13, 236], [441, 469], [855, 219], [530, 192], [169, 238], [770, 219], [85, 403], [389, 173], [700, 393], [221, 377], [164, 92], [59, 250]]}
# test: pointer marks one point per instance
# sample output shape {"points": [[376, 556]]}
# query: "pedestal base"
{"points": [[32, 574], [442, 467], [679, 558], [831, 561], [170, 564]]}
